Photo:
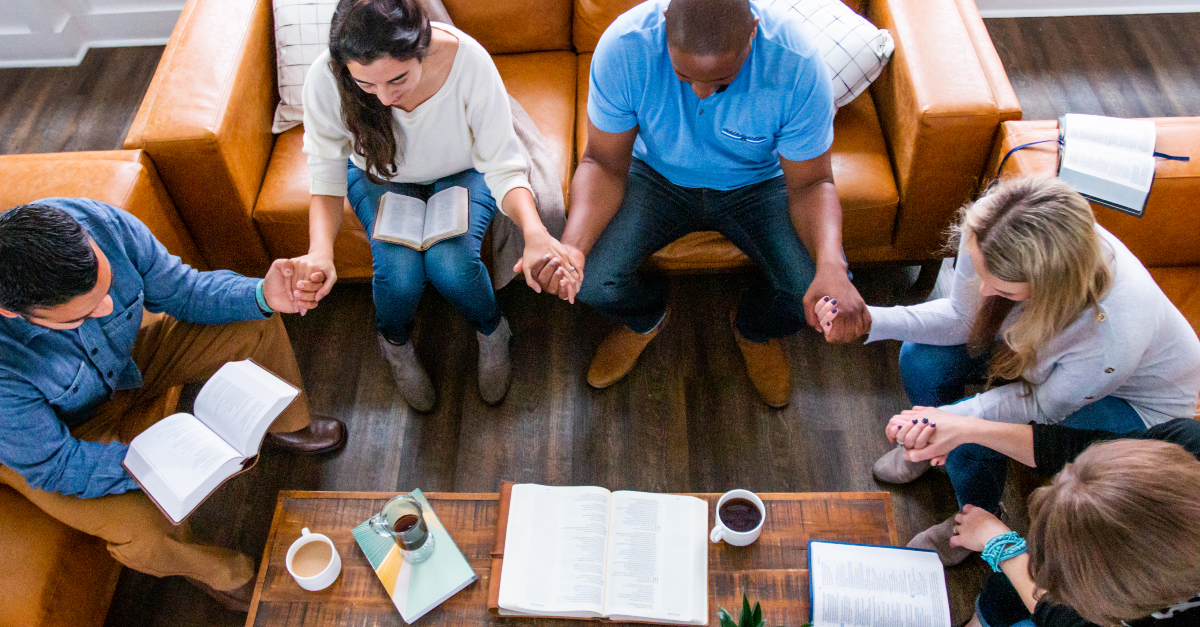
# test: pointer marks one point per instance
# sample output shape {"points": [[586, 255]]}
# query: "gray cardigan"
{"points": [[1138, 348]]}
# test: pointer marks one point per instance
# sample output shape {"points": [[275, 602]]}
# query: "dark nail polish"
{"points": [[828, 324], [933, 425], [914, 421], [834, 310], [925, 420], [834, 301], [826, 299]]}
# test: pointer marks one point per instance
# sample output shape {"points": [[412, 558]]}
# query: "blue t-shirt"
{"points": [[780, 104]]}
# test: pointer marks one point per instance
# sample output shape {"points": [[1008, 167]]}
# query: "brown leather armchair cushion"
{"points": [[544, 84]]}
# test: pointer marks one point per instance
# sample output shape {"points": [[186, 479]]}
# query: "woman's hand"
{"points": [[975, 526], [930, 434], [827, 311], [313, 275], [550, 264], [285, 294]]}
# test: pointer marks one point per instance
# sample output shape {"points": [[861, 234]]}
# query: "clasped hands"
{"points": [[296, 285], [551, 265]]}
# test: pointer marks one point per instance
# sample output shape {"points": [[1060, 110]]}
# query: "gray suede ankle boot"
{"points": [[409, 374], [495, 369]]}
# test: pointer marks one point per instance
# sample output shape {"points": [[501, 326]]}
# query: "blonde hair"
{"points": [[1039, 231], [1116, 534]]}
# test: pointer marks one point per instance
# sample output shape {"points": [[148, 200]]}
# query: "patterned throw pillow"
{"points": [[854, 50], [301, 35]]}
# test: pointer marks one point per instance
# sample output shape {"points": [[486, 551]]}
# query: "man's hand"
{"points": [[975, 527], [550, 265], [286, 293], [833, 306], [312, 276]]}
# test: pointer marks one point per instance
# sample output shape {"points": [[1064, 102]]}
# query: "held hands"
{"points": [[312, 276], [975, 526], [834, 307], [929, 434], [281, 293], [551, 265]]}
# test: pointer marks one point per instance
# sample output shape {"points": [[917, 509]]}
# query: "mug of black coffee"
{"points": [[740, 518], [402, 520]]}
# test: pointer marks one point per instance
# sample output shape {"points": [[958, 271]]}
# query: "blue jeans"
{"points": [[452, 265], [999, 605], [656, 212], [938, 375]]}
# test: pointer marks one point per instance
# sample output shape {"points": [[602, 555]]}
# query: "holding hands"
{"points": [[290, 287], [551, 265], [929, 434], [834, 307]]}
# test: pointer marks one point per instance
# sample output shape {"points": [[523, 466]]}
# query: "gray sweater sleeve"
{"points": [[941, 322]]}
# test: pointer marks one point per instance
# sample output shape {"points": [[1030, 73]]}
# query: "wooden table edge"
{"points": [[261, 577], [486, 496]]}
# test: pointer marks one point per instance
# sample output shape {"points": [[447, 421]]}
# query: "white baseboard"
{"points": [[1061, 10], [68, 44]]}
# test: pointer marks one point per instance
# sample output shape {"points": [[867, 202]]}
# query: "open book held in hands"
{"points": [[860, 585], [585, 552], [410, 222], [1108, 160], [183, 458]]}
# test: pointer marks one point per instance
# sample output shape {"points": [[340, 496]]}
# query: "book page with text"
{"points": [[1135, 171], [182, 452], [657, 558], [446, 215], [240, 402], [554, 550], [871, 586], [399, 218], [1116, 133]]}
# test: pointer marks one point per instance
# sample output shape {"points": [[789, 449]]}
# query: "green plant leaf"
{"points": [[725, 618], [756, 619], [747, 613]]}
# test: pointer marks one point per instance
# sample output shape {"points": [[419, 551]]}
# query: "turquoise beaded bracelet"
{"points": [[262, 299], [1001, 548]]}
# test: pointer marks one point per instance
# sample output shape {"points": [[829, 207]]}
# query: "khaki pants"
{"points": [[169, 353]]}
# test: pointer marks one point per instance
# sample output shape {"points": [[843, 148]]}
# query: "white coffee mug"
{"points": [[318, 567], [738, 538]]}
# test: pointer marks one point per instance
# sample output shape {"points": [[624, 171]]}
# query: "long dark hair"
{"points": [[365, 31]]}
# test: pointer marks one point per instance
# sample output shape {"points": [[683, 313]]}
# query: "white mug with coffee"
{"points": [[313, 561], [740, 518]]}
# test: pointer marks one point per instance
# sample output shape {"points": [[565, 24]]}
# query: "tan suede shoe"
{"points": [[767, 366], [618, 353], [937, 538], [891, 467]]}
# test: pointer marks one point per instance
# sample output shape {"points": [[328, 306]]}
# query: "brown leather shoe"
{"points": [[767, 366], [322, 435], [617, 354], [236, 600]]}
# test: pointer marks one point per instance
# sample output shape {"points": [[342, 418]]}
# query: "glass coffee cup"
{"points": [[403, 520]]}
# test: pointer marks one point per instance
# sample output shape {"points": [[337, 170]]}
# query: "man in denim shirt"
{"points": [[83, 371]]}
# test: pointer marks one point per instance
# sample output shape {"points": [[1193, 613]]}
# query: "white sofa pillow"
{"points": [[854, 50], [301, 35]]}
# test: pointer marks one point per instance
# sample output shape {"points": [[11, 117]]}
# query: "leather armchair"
{"points": [[53, 575], [906, 155]]}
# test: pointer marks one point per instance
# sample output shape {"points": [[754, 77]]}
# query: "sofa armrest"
{"points": [[939, 114], [206, 124]]}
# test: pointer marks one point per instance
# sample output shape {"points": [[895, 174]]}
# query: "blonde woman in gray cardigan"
{"points": [[1057, 317]]}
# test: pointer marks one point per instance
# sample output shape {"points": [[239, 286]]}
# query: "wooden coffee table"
{"points": [[773, 570]]}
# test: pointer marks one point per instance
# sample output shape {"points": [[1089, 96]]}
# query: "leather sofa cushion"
{"points": [[861, 169], [1182, 286], [543, 82], [1166, 235], [53, 575], [593, 16], [510, 26], [122, 178]]}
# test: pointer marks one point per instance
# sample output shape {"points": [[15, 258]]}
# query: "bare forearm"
{"points": [[1017, 571], [518, 205], [596, 194], [1013, 440], [324, 220], [816, 214]]}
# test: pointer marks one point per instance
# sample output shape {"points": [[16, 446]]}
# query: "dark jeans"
{"points": [[999, 605], [656, 212], [452, 265], [938, 375]]}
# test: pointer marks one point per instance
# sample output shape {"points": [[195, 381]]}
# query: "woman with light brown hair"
{"points": [[1056, 317]]}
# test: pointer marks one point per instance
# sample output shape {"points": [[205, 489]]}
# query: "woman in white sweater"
{"points": [[401, 105], [1057, 317]]}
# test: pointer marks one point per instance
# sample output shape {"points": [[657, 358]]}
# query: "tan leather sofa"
{"points": [[1167, 237], [906, 154], [55, 576]]}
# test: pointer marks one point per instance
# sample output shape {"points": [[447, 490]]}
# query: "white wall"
{"points": [[1041, 8], [59, 32]]}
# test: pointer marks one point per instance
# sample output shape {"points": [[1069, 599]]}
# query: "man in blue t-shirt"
{"points": [[708, 115]]}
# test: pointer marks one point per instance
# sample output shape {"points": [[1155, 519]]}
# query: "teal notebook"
{"points": [[416, 589]]}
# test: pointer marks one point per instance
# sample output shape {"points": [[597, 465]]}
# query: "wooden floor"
{"points": [[686, 419]]}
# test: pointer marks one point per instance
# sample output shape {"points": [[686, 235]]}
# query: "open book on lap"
{"points": [[585, 552], [420, 224], [183, 458], [858, 585]]}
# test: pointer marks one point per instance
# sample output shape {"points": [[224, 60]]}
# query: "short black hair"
{"points": [[709, 27], [46, 258]]}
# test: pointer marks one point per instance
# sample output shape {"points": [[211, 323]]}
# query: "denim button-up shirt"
{"points": [[53, 380]]}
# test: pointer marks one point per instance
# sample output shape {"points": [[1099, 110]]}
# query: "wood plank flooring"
{"points": [[686, 419]]}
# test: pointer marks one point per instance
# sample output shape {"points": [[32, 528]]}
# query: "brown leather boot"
{"points": [[767, 366], [322, 435], [617, 354]]}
